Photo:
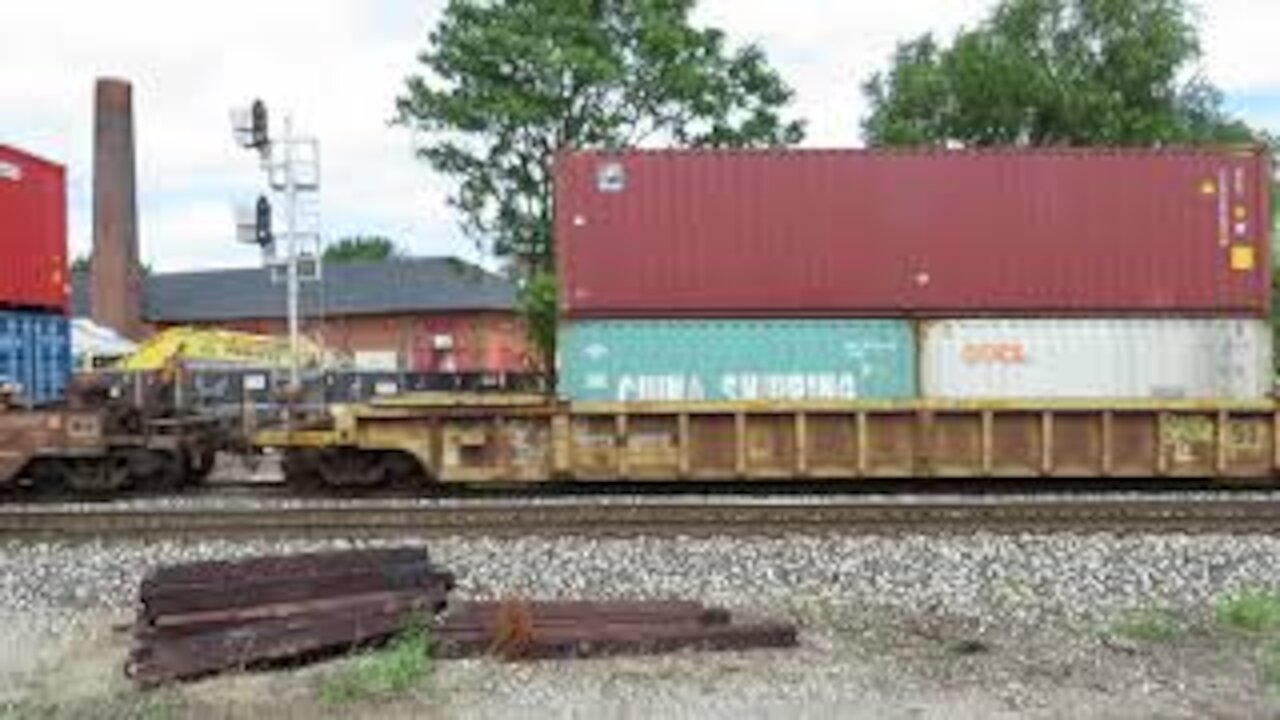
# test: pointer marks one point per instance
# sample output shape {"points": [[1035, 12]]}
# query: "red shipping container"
{"points": [[794, 233], [33, 233]]}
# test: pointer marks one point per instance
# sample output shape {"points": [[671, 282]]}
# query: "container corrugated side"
{"points": [[810, 233], [33, 234], [1097, 358], [35, 354], [696, 360]]}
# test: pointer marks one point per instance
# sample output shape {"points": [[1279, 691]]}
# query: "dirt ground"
{"points": [[851, 663]]}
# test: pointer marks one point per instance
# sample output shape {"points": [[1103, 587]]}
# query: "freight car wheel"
{"points": [[95, 475], [343, 467], [199, 464], [301, 469], [405, 471], [158, 470]]}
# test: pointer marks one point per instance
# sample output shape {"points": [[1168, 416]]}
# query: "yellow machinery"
{"points": [[190, 345]]}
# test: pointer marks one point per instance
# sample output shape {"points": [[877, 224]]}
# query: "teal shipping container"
{"points": [[736, 360]]}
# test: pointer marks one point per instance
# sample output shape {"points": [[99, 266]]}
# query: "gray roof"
{"points": [[348, 288]]}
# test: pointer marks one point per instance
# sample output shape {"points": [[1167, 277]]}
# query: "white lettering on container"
{"points": [[660, 388], [738, 386]]}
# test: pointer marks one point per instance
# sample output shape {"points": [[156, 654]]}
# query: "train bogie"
{"points": [[92, 451]]}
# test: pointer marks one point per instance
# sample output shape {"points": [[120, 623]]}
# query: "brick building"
{"points": [[420, 314]]}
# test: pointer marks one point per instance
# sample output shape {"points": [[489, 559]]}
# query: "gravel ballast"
{"points": [[1002, 578], [1032, 600]]}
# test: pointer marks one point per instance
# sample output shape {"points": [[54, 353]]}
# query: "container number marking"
{"points": [[1010, 353]]}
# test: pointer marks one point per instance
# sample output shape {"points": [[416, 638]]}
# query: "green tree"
{"points": [[537, 303], [83, 262], [1054, 72], [509, 83], [362, 247]]}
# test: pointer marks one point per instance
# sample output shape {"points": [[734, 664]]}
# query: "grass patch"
{"points": [[390, 671], [1146, 626], [1251, 611]]}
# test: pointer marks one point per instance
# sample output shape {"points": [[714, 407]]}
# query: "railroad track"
{"points": [[621, 517]]}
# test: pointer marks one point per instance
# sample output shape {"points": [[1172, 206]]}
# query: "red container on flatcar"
{"points": [[845, 233]]}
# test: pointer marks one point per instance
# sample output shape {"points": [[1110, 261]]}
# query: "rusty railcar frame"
{"points": [[39, 443], [512, 440]]}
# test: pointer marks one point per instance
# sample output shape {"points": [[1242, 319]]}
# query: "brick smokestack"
{"points": [[115, 276]]}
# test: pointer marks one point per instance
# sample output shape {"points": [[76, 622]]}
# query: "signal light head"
{"points": [[251, 127]]}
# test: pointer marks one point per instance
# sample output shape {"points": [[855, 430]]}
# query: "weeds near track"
{"points": [[384, 673], [1251, 611], [1149, 626], [1256, 615]]}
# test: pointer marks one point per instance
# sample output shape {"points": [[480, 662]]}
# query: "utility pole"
{"points": [[292, 166], [291, 256]]}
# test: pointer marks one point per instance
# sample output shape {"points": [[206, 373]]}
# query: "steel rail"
{"points": [[717, 517]]}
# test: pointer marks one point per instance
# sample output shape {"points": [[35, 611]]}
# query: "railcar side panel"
{"points": [[757, 442]]}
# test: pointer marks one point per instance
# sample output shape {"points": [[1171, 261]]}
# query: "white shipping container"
{"points": [[1085, 358]]}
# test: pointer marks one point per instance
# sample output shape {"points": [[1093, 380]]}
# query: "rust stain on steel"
{"points": [[202, 618], [482, 614], [206, 588], [298, 564], [193, 655], [24, 434], [247, 632], [430, 598], [605, 639], [516, 630], [511, 630]]}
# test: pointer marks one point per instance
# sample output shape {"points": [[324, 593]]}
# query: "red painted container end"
{"points": [[33, 233], [794, 233]]}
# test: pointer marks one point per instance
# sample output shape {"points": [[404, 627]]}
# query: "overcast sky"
{"points": [[338, 64]]}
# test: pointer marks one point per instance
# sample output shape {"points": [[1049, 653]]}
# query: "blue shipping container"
{"points": [[696, 360], [35, 354]]}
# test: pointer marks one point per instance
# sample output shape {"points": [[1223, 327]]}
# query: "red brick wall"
{"points": [[481, 341]]}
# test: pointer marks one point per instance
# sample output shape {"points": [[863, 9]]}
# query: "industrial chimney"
{"points": [[115, 276]]}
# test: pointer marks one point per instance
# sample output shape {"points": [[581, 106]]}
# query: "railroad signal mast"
{"points": [[292, 167]]}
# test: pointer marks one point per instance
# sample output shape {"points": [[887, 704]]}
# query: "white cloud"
{"points": [[338, 64], [1239, 37], [826, 49]]}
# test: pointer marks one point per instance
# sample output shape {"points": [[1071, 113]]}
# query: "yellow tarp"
{"points": [[217, 346]]}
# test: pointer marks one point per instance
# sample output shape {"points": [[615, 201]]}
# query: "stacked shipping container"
{"points": [[1069, 274], [35, 354], [35, 343], [691, 360]]}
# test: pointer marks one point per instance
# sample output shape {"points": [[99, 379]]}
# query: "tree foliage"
{"points": [[83, 263], [509, 83], [362, 248], [1054, 72], [537, 302]]}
